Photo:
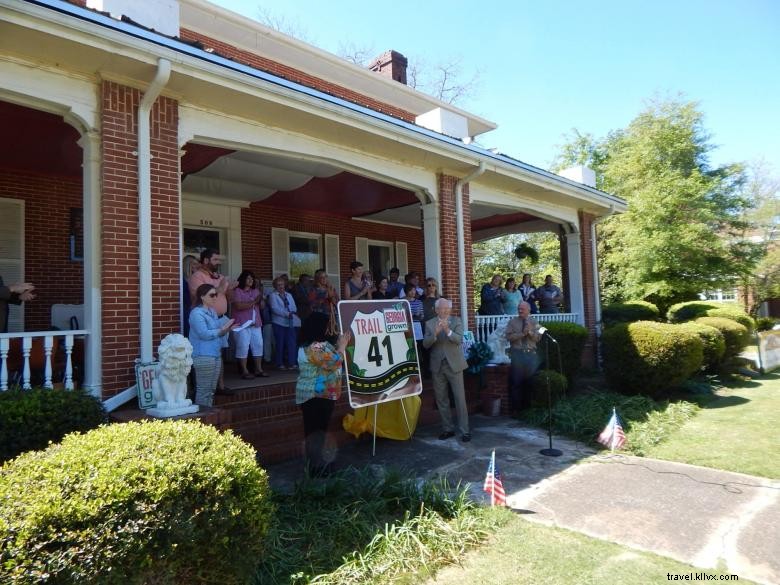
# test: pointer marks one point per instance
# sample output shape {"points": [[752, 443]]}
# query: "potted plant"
{"points": [[479, 356], [523, 251]]}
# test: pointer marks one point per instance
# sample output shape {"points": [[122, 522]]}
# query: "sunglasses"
{"points": [[212, 295], [431, 286]]}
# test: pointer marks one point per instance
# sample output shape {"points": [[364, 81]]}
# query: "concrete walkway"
{"points": [[704, 517]]}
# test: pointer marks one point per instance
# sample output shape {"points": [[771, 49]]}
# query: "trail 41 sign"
{"points": [[382, 361]]}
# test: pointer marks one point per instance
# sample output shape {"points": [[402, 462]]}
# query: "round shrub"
{"points": [[571, 339], [152, 502], [765, 323], [31, 419], [649, 358], [735, 314], [629, 312], [690, 310], [735, 335], [558, 385], [713, 340]]}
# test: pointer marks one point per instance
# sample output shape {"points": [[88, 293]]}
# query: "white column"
{"points": [[432, 242], [93, 354], [574, 286]]}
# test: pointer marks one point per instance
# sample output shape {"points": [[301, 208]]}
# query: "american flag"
{"points": [[612, 436], [493, 484]]}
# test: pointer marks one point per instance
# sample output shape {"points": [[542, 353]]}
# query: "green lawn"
{"points": [[737, 430], [524, 552]]}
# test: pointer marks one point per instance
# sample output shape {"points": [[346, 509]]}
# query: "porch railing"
{"points": [[486, 324], [36, 352]]}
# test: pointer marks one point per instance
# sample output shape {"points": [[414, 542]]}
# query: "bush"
{"points": [[735, 335], [151, 502], [765, 323], [735, 314], [31, 419], [571, 339], [713, 340], [691, 310], [648, 358], [629, 312], [558, 385]]}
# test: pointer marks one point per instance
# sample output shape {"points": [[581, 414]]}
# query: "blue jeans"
{"points": [[284, 340]]}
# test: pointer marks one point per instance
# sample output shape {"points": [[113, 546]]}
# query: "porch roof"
{"points": [[462, 156]]}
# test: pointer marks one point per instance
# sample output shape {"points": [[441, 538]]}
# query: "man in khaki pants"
{"points": [[443, 336]]}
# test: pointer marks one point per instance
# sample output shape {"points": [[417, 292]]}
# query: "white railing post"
{"points": [[48, 343], [4, 344], [68, 362], [26, 348]]}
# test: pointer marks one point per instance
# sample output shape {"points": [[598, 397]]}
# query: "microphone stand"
{"points": [[550, 452]]}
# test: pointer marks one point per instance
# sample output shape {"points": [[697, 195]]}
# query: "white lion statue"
{"points": [[498, 343], [170, 383]]}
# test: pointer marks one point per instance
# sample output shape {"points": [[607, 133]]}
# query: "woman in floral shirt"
{"points": [[318, 387]]}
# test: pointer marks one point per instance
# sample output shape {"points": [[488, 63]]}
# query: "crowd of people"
{"points": [[496, 299]]}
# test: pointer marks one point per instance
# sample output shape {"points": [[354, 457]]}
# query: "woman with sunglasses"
{"points": [[206, 333]]}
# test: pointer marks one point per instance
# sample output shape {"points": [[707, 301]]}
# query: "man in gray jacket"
{"points": [[443, 336]]}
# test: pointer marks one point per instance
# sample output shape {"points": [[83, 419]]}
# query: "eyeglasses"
{"points": [[212, 295]]}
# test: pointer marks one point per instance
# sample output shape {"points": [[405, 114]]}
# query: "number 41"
{"points": [[375, 354]]}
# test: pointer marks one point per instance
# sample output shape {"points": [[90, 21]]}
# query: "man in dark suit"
{"points": [[443, 336], [13, 294]]}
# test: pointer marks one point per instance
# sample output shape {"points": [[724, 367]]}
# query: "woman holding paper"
{"points": [[247, 304]]}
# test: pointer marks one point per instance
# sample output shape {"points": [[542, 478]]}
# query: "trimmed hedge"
{"points": [[152, 502], [629, 312], [692, 310], [649, 358], [31, 419], [735, 335], [765, 323], [558, 385], [713, 340], [571, 339]]}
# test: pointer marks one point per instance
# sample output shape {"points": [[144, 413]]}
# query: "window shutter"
{"points": [[401, 258], [280, 251], [361, 251], [332, 261], [12, 254]]}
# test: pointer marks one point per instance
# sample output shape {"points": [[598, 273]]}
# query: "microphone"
{"points": [[543, 331]]}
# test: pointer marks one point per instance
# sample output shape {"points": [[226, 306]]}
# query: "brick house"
{"points": [[139, 131]]}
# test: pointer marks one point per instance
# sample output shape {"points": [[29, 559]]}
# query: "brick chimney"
{"points": [[391, 64]]}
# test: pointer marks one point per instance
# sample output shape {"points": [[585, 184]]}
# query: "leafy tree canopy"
{"points": [[684, 231]]}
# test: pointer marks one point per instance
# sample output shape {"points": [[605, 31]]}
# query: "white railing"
{"points": [[37, 350], [486, 324]]}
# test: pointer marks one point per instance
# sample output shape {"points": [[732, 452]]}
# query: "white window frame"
{"points": [[304, 235], [391, 248]]}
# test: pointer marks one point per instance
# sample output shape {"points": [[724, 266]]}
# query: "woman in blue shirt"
{"points": [[206, 332]]}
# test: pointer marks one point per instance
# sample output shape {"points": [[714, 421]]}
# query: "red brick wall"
{"points": [[48, 200], [258, 219], [589, 297], [449, 246], [286, 72], [120, 282]]}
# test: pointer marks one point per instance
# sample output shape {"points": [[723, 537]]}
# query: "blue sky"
{"points": [[546, 67]]}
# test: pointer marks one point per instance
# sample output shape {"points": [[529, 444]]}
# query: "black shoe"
{"points": [[446, 435], [224, 392], [465, 438]]}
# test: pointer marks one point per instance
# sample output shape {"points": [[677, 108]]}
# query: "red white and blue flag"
{"points": [[612, 436], [493, 484]]}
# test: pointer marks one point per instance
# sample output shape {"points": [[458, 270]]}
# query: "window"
{"points": [[305, 257], [380, 258]]}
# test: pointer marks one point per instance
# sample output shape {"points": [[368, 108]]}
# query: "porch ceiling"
{"points": [[488, 221], [38, 142], [294, 183]]}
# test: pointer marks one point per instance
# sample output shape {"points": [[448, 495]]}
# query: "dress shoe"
{"points": [[446, 435], [465, 438]]}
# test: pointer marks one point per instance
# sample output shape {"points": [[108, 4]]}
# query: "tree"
{"points": [[684, 231], [763, 229]]}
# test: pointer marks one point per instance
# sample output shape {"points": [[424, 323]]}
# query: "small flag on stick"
{"points": [[493, 484], [612, 436]]}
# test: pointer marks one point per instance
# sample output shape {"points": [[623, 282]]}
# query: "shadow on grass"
{"points": [[725, 402], [325, 520]]}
